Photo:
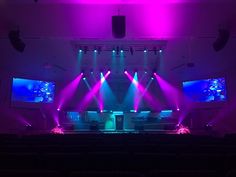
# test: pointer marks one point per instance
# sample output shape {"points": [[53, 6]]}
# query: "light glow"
{"points": [[66, 94], [94, 90]]}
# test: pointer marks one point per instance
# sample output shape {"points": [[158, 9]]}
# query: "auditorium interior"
{"points": [[124, 88]]}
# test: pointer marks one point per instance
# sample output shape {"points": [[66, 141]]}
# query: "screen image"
{"points": [[73, 116], [208, 90], [32, 91]]}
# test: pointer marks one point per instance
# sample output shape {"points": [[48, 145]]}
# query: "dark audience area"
{"points": [[116, 155]]}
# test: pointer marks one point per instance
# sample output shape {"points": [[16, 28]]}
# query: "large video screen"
{"points": [[208, 90], [32, 91]]}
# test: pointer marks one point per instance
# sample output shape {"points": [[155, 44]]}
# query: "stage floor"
{"points": [[126, 131], [101, 131]]}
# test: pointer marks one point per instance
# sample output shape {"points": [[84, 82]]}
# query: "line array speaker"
{"points": [[17, 43], [118, 26]]}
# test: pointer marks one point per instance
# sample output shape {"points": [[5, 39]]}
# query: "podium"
{"points": [[119, 122]]}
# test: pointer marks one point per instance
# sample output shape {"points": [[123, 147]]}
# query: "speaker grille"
{"points": [[222, 39]]}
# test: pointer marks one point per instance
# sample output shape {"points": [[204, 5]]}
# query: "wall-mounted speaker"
{"points": [[17, 43], [118, 26], [221, 40]]}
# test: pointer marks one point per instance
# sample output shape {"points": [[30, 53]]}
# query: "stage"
{"points": [[121, 132]]}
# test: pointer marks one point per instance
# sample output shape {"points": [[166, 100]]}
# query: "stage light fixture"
{"points": [[99, 50], [145, 112], [145, 51], [125, 72], [85, 49], [92, 112], [121, 51], [208, 127], [154, 71], [131, 50], [117, 50], [57, 130], [181, 129], [155, 50], [101, 71], [84, 78], [29, 127], [160, 50]]}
